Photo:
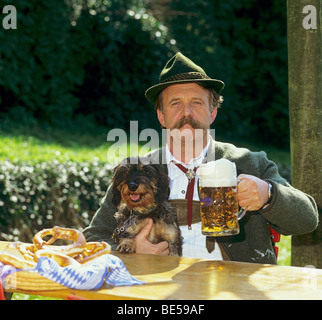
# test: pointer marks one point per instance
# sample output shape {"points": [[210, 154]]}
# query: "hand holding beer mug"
{"points": [[218, 198]]}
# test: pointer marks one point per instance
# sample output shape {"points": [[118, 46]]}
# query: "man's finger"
{"points": [[163, 248], [144, 233], [242, 186]]}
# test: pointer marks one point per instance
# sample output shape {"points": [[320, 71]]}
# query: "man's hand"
{"points": [[143, 245], [252, 192]]}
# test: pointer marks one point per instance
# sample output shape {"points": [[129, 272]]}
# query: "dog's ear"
{"points": [[116, 195], [163, 189], [116, 198], [117, 179]]}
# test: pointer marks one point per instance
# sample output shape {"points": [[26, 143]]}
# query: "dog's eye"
{"points": [[147, 173]]}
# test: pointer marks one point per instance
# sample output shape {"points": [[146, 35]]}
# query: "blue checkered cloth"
{"points": [[92, 275]]}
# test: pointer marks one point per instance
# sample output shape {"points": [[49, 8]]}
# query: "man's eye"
{"points": [[197, 103]]}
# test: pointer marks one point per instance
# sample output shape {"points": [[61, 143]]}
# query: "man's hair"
{"points": [[215, 99]]}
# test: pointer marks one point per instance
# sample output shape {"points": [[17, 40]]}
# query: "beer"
{"points": [[218, 198], [219, 210]]}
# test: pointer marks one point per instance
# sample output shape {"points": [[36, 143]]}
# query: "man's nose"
{"points": [[187, 109]]}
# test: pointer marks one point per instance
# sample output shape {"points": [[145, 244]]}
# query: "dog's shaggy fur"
{"points": [[140, 192]]}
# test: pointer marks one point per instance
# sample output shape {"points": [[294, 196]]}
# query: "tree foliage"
{"points": [[125, 56], [38, 71], [95, 58], [243, 43]]}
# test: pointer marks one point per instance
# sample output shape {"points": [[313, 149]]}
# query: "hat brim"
{"points": [[152, 93]]}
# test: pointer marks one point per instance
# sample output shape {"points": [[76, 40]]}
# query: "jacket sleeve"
{"points": [[103, 223], [291, 211]]}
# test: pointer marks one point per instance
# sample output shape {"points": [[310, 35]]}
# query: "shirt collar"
{"points": [[195, 162]]}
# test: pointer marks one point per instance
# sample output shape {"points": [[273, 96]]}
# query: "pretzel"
{"points": [[78, 252], [61, 233], [93, 250], [26, 249], [62, 259], [7, 258]]}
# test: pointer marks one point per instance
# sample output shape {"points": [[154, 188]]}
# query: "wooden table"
{"points": [[196, 279]]}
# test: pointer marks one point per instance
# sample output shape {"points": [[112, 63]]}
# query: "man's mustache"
{"points": [[195, 124]]}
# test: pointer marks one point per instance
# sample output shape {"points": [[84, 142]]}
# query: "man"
{"points": [[187, 101]]}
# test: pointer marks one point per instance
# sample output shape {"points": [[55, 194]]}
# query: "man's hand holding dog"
{"points": [[143, 245]]}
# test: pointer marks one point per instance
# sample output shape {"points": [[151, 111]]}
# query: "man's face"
{"points": [[186, 106]]}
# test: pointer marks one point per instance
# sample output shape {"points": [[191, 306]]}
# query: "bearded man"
{"points": [[186, 100]]}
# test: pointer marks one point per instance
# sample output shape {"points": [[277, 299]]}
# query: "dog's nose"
{"points": [[133, 186]]}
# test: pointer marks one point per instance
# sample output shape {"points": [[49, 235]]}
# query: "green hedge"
{"points": [[52, 193], [48, 194]]}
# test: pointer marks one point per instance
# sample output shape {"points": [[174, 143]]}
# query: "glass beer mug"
{"points": [[218, 198]]}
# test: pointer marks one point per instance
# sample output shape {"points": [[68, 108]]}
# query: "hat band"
{"points": [[186, 76]]}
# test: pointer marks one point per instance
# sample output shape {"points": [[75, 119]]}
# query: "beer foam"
{"points": [[219, 173]]}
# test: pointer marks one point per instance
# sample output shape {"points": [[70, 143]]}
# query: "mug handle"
{"points": [[242, 211]]}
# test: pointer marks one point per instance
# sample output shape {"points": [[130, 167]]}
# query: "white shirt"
{"points": [[194, 243]]}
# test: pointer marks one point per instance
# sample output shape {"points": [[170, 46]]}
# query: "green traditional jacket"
{"points": [[290, 211]]}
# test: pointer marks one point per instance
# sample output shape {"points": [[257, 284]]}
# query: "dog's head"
{"points": [[140, 186]]}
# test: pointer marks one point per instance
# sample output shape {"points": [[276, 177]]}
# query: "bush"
{"points": [[243, 43], [38, 69], [125, 51], [49, 194], [71, 58], [95, 59]]}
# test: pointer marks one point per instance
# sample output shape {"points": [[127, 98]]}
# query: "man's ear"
{"points": [[161, 117], [213, 114]]}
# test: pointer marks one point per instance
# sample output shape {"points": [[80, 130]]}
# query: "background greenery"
{"points": [[92, 60], [48, 183], [75, 69]]}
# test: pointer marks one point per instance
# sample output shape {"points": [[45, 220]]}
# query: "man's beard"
{"points": [[189, 137], [188, 120]]}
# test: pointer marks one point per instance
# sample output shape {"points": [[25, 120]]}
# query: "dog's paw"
{"points": [[126, 246]]}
